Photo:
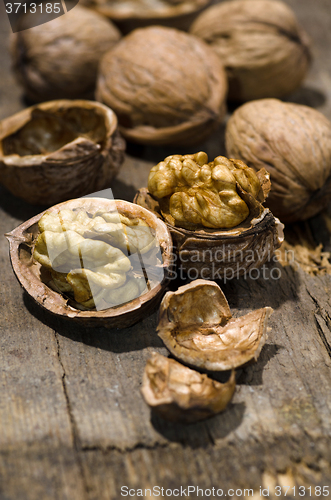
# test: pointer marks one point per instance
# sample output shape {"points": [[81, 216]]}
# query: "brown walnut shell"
{"points": [[59, 60], [265, 51], [293, 142], [132, 14], [35, 279], [196, 325], [166, 86], [223, 254], [180, 394], [58, 150]]}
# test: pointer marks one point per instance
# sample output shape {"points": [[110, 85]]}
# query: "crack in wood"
{"points": [[321, 323], [74, 431]]}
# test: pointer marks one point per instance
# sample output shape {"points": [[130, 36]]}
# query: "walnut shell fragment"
{"points": [[166, 86], [60, 60], [38, 280], [211, 252], [265, 51], [59, 150], [131, 14], [196, 326], [294, 143], [178, 393]]}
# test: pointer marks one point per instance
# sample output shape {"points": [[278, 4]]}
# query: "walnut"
{"points": [[59, 60], [131, 14], [265, 51], [195, 324], [294, 143], [58, 150], [166, 86], [196, 193], [72, 260], [178, 393], [220, 193]]}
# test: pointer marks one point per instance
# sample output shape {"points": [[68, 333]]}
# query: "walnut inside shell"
{"points": [[166, 86], [265, 51], [196, 326], [235, 194], [178, 393], [294, 143], [82, 239], [194, 193], [59, 60], [59, 150]]}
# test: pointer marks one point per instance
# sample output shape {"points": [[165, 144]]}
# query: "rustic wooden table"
{"points": [[73, 424]]}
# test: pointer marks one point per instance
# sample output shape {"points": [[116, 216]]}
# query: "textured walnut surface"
{"points": [[166, 86], [196, 326], [294, 143], [196, 193], [61, 61], [178, 393], [264, 49]]}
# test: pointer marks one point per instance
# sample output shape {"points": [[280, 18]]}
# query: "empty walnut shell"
{"points": [[60, 60], [36, 280], [223, 253], [166, 86], [196, 326], [265, 51], [178, 393], [131, 14], [293, 142], [59, 150]]}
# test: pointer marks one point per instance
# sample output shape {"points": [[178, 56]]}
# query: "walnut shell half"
{"points": [[131, 14], [59, 150], [265, 51], [195, 324], [37, 280], [293, 142], [166, 86], [178, 393]]}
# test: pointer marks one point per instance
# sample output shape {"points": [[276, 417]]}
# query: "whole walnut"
{"points": [[166, 86], [265, 51], [60, 59], [131, 14], [293, 142]]}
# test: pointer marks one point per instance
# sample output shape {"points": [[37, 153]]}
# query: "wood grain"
{"points": [[73, 424]]}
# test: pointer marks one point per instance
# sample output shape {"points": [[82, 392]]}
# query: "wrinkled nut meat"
{"points": [[60, 60], [178, 393], [89, 256], [214, 212], [166, 86], [97, 261], [131, 14], [265, 51], [294, 143], [197, 327], [196, 193], [59, 150]]}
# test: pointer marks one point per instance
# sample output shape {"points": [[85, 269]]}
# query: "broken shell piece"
{"points": [[181, 394], [205, 335]]}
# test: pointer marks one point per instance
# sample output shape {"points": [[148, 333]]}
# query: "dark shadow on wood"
{"points": [[308, 96], [122, 191], [201, 434], [252, 373], [15, 207], [114, 340]]}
